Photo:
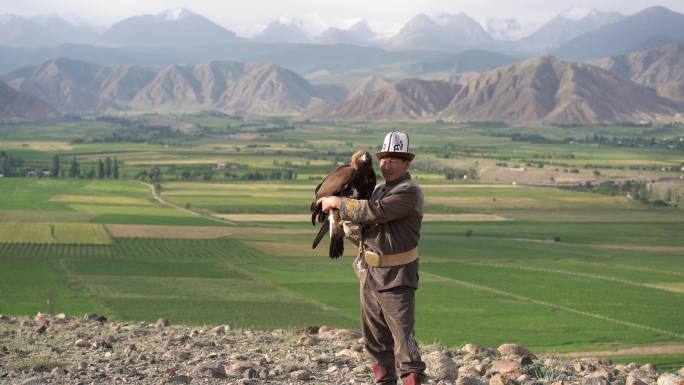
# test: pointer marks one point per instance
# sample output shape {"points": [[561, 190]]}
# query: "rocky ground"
{"points": [[90, 350]]}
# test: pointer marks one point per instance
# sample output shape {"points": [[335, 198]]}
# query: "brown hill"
{"points": [[68, 85], [75, 86], [547, 90], [407, 99], [19, 107], [661, 68], [269, 89]]}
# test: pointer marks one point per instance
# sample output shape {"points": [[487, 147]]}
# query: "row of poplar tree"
{"points": [[106, 169]]}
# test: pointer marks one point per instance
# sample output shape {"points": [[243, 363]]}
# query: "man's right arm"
{"points": [[393, 206]]}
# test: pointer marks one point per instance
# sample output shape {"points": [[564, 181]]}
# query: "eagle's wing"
{"points": [[336, 183]]}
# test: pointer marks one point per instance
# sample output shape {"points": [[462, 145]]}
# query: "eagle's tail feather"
{"points": [[321, 234], [336, 247]]}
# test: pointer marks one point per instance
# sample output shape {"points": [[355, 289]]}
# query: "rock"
{"points": [[162, 323], [263, 373], [214, 369], [505, 366], [218, 331], [41, 329], [514, 350], [469, 380], [440, 366], [670, 379], [681, 372], [471, 349], [35, 381], [129, 349], [472, 371], [301, 375], [182, 379], [307, 341], [648, 368], [634, 380], [57, 372], [500, 379], [348, 353], [94, 317], [595, 379], [25, 322], [239, 367], [182, 356], [3, 317], [61, 317], [524, 378], [81, 343], [41, 319], [249, 373]]}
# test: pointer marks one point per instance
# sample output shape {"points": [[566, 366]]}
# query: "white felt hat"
{"points": [[396, 144]]}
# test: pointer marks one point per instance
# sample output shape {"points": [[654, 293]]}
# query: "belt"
{"points": [[376, 260]]}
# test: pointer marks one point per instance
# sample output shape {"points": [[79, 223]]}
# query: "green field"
{"points": [[555, 269]]}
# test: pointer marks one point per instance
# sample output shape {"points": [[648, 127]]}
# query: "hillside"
{"points": [[18, 107], [661, 68], [407, 99], [551, 91], [76, 86], [624, 35], [63, 349]]}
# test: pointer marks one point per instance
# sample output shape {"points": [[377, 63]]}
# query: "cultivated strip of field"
{"points": [[44, 216], [193, 232], [75, 233], [674, 287], [636, 350], [553, 305], [100, 199], [307, 218]]}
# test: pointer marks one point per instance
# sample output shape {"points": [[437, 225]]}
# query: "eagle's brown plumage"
{"points": [[355, 180]]}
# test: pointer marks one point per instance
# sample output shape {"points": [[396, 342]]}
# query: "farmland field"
{"points": [[507, 257]]}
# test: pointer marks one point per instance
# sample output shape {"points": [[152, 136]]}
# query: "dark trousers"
{"points": [[388, 318]]}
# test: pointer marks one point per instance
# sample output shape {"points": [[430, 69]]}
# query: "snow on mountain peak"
{"points": [[174, 14], [578, 13]]}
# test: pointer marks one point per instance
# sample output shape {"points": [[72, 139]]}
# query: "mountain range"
{"points": [[660, 68], [440, 32], [76, 86], [19, 107], [542, 90], [538, 90]]}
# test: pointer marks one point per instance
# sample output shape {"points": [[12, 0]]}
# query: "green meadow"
{"points": [[558, 270]]}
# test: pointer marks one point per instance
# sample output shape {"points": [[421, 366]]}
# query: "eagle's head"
{"points": [[361, 159]]}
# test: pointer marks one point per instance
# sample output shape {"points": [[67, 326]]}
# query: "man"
{"points": [[387, 263]]}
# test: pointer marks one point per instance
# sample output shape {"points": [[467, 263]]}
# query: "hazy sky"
{"points": [[246, 17]]}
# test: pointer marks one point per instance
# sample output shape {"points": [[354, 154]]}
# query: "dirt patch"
{"points": [[100, 199], [193, 232], [634, 351], [264, 217], [464, 218], [307, 218]]}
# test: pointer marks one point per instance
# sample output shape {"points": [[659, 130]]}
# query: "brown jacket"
{"points": [[391, 221]]}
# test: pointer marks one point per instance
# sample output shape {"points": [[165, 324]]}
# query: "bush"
{"points": [[468, 233], [556, 238]]}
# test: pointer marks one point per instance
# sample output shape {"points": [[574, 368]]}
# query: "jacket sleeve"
{"points": [[393, 206]]}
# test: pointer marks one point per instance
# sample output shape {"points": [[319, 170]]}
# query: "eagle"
{"points": [[355, 180]]}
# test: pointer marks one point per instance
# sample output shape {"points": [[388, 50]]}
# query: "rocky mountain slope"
{"points": [[61, 349], [661, 68], [76, 86], [539, 90], [548, 90], [407, 99], [19, 107]]}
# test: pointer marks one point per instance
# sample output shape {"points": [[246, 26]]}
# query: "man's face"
{"points": [[393, 169]]}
